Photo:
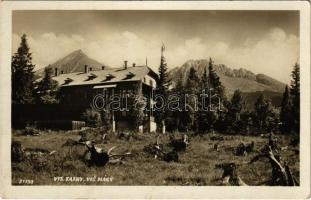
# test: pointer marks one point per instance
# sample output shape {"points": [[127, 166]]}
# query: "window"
{"points": [[109, 77], [129, 76]]}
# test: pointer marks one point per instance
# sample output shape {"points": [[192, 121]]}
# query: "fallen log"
{"points": [[281, 175], [100, 158]]}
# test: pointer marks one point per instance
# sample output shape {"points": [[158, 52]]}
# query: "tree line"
{"points": [[233, 117]]}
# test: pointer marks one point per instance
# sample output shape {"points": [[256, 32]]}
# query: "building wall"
{"points": [[84, 94], [23, 114], [148, 80]]}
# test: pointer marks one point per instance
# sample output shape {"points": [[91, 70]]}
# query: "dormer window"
{"points": [[109, 77], [129, 76], [91, 77], [67, 81]]}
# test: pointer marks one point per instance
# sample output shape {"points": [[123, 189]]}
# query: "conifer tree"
{"points": [[162, 90], [215, 116], [236, 105], [285, 114], [46, 91], [164, 81], [180, 116], [202, 114], [192, 82], [295, 94], [204, 81], [234, 111], [192, 91], [214, 80], [22, 74], [262, 111], [138, 107]]}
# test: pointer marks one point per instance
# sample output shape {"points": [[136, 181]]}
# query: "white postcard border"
{"points": [[9, 191]]}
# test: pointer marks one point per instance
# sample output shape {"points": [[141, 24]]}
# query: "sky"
{"points": [[260, 41]]}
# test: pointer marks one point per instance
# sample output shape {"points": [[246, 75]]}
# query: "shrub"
{"points": [[92, 118], [29, 130], [48, 99]]}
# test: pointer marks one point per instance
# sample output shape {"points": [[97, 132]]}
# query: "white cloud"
{"points": [[273, 54], [49, 47]]}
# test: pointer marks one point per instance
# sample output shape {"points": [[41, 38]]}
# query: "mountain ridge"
{"points": [[232, 79]]}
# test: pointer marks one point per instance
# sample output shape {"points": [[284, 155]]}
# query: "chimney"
{"points": [[134, 64], [90, 69], [125, 64], [56, 71], [86, 69], [103, 67]]}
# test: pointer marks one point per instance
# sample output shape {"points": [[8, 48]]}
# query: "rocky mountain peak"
{"points": [[74, 62], [232, 79]]}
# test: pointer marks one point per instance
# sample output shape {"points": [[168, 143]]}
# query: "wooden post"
{"points": [[163, 127]]}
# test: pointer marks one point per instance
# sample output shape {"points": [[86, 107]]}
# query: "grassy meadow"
{"points": [[196, 165]]}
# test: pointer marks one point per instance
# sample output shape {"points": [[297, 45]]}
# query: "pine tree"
{"points": [[204, 81], [138, 107], [232, 119], [285, 114], [295, 93], [192, 82], [192, 91], [295, 85], [46, 91], [215, 116], [162, 89], [214, 80], [202, 114], [180, 115], [164, 81], [236, 105], [262, 111], [22, 74]]}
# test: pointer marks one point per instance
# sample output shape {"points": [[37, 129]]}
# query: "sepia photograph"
{"points": [[138, 97]]}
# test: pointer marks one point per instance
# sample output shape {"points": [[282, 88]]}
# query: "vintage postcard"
{"points": [[155, 99]]}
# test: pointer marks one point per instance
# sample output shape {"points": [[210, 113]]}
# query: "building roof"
{"points": [[106, 76]]}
